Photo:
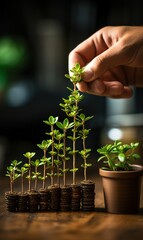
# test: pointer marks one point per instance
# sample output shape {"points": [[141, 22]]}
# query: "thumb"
{"points": [[103, 62]]}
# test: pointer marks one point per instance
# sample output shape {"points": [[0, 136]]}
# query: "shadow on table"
{"points": [[103, 210]]}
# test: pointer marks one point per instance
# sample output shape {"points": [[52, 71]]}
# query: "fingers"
{"points": [[75, 57], [83, 53], [96, 65], [104, 62], [109, 89], [104, 53]]}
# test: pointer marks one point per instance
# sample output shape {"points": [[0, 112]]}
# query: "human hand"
{"points": [[113, 60]]}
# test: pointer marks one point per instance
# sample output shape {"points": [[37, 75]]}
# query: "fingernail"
{"points": [[88, 74]]}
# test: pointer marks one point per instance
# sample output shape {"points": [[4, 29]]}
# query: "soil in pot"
{"points": [[11, 199], [65, 198], [44, 199], [88, 195], [54, 198], [122, 190], [22, 202], [33, 201], [75, 197]]}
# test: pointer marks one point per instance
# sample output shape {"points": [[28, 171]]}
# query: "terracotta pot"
{"points": [[122, 190]]}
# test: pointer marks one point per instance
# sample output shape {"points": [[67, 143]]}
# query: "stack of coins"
{"points": [[11, 201], [23, 202], [54, 198], [44, 200], [65, 200], [75, 197], [33, 203], [88, 195]]}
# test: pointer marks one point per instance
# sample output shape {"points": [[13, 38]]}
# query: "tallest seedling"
{"points": [[71, 108]]}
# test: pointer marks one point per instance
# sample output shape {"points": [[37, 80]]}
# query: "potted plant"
{"points": [[33, 195], [54, 189], [88, 186], [65, 200], [71, 107], [12, 196], [22, 195], [121, 178]]}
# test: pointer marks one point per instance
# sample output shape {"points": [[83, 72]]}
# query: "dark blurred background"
{"points": [[36, 37]]}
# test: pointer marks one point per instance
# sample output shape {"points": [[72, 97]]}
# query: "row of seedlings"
{"points": [[57, 196]]}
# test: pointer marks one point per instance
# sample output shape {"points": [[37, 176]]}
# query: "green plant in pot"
{"points": [[33, 195], [22, 195], [80, 133], [121, 178], [12, 196]]}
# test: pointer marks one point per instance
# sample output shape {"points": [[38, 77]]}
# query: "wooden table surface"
{"points": [[80, 225]]}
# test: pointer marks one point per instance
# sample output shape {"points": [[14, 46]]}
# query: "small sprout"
{"points": [[36, 174], [51, 122], [22, 171], [46, 162], [12, 173], [76, 75], [29, 156], [85, 153], [64, 126], [71, 108]]}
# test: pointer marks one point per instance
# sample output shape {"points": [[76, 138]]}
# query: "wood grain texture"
{"points": [[70, 225]]}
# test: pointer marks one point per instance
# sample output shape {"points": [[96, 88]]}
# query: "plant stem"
{"points": [[36, 178], [74, 140], [11, 185], [44, 172], [52, 168], [74, 154], [64, 159], [29, 174], [84, 149], [58, 177], [22, 183]]}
